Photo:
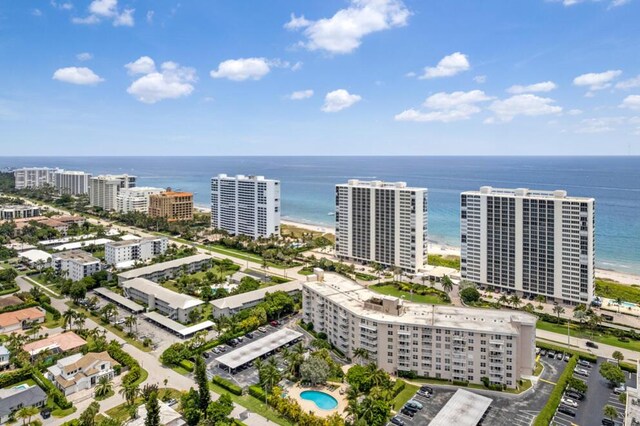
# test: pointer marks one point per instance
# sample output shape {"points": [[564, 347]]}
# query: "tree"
{"points": [[204, 397], [612, 373], [78, 291], [269, 375], [130, 322], [503, 300], [577, 384], [557, 309], [68, 317], [104, 387], [130, 392], [361, 354], [447, 284], [610, 412], [314, 370], [540, 299], [469, 295], [619, 303], [26, 413], [219, 410], [618, 356], [515, 301], [580, 315], [153, 411], [88, 416]]}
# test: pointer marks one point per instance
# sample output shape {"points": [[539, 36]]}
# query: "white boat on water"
{"points": [[331, 213]]}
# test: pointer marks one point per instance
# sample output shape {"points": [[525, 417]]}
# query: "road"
{"points": [[603, 350], [149, 361]]}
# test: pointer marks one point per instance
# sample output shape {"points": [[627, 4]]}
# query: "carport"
{"points": [[119, 300], [257, 348], [463, 409], [175, 327]]}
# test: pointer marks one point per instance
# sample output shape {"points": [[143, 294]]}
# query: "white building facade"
{"points": [[175, 306], [18, 212], [79, 372], [76, 264], [71, 182], [383, 222], [530, 242], [245, 205], [443, 342], [143, 249], [135, 199], [103, 190], [34, 177]]}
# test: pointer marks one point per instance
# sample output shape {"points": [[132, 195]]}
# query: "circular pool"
{"points": [[323, 401]]}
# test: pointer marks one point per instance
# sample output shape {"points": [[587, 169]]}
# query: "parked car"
{"points": [[408, 412], [559, 355], [172, 401], [45, 413], [240, 339], [274, 323], [567, 410], [413, 404], [590, 344], [581, 371], [249, 335], [222, 348], [568, 401], [397, 421], [584, 363], [216, 350], [427, 389], [543, 352], [620, 389], [205, 354], [233, 343], [567, 357], [574, 394], [537, 350], [551, 354], [262, 329], [609, 422]]}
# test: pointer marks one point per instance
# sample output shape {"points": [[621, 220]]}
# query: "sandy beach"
{"points": [[447, 250]]}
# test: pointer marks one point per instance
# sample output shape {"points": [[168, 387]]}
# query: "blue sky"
{"points": [[374, 77]]}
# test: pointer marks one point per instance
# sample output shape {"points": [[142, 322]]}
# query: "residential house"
{"points": [[78, 372]]}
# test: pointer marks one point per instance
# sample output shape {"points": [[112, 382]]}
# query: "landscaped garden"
{"points": [[412, 292]]}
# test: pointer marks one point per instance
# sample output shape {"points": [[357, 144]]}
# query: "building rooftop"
{"points": [[133, 241], [10, 300], [168, 416], [80, 244], [171, 194], [15, 317], [364, 302], [238, 300], [4, 350], [257, 348], [19, 207], [158, 267], [120, 300], [77, 255], [61, 342], [463, 409], [176, 327], [173, 299], [35, 255], [525, 192], [379, 184], [11, 398]]}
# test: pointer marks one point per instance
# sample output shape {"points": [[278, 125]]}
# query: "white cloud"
{"points": [[36, 12], [599, 125], [597, 81], [410, 74], [527, 105], [446, 107], [61, 6], [84, 56], [297, 66], [614, 3], [545, 86], [631, 83], [448, 66], [242, 69], [297, 22], [631, 102], [171, 82], [338, 100], [150, 14], [107, 9], [344, 31], [77, 75], [301, 94], [142, 65], [480, 79]]}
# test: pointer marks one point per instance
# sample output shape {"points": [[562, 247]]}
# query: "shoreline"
{"points": [[442, 249]]}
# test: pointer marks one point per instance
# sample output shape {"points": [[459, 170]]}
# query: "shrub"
{"points": [[54, 393], [546, 415], [470, 295], [257, 392], [460, 383], [398, 387], [407, 374], [53, 311], [226, 384], [13, 377], [187, 365], [627, 366]]}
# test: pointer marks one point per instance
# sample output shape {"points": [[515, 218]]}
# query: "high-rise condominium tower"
{"points": [[103, 190], [245, 205], [527, 241], [71, 182], [383, 222]]}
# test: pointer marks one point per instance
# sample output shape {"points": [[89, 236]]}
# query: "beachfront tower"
{"points": [[245, 205], [529, 242], [383, 222], [103, 190]]}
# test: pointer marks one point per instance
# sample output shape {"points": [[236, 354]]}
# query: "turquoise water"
{"points": [[308, 185], [21, 387], [324, 401]]}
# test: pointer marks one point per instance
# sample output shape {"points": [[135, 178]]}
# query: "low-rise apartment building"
{"points": [[230, 305], [176, 306], [443, 342], [21, 320], [78, 372], [167, 270], [75, 264], [171, 205], [142, 249], [19, 212], [135, 199]]}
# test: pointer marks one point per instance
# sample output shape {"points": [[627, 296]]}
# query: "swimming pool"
{"points": [[21, 387], [323, 401], [629, 304]]}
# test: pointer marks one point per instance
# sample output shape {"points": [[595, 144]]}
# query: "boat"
{"points": [[331, 213]]}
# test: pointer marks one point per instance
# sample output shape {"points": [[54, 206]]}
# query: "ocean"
{"points": [[308, 185]]}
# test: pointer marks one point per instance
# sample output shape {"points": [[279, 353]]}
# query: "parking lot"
{"points": [[505, 410], [599, 394]]}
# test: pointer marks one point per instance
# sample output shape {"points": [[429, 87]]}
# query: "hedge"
{"points": [[549, 410], [53, 311], [582, 355], [13, 377], [257, 392], [226, 384], [9, 290], [18, 307], [187, 365], [398, 387], [56, 394], [627, 366]]}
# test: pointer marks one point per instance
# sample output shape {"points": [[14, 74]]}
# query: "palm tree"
{"points": [[265, 267], [131, 321], [503, 300], [68, 317], [26, 413], [130, 393], [515, 301], [580, 316], [361, 354], [104, 386], [397, 274], [540, 299], [79, 320], [447, 284], [619, 303], [557, 309]]}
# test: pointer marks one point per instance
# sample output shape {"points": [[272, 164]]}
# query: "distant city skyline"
{"points": [[339, 77]]}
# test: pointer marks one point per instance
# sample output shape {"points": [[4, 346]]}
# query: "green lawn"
{"points": [[610, 340], [613, 290], [391, 290], [538, 369], [404, 396], [49, 322], [446, 261], [121, 412], [253, 404]]}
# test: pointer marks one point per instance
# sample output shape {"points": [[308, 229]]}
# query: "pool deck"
{"points": [[309, 406], [626, 308]]}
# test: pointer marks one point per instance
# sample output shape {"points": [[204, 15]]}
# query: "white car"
{"points": [[620, 389], [568, 401], [581, 371]]}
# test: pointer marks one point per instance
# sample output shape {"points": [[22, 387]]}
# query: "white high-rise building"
{"points": [[245, 205], [71, 182], [383, 222], [143, 249], [135, 199], [530, 242], [103, 189], [442, 342], [34, 177]]}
